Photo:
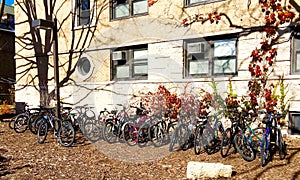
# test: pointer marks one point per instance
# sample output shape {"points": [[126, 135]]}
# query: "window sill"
{"points": [[202, 3], [86, 26], [129, 17]]}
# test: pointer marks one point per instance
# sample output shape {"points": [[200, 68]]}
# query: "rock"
{"points": [[198, 170]]}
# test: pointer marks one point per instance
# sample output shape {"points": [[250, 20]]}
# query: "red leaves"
{"points": [[151, 2], [212, 17]]}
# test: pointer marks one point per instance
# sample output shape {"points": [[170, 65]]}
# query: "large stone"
{"points": [[198, 170]]}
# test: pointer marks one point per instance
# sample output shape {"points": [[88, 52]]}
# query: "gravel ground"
{"points": [[21, 157]]}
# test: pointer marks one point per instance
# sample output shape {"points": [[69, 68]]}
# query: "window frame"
{"points": [[129, 57], [130, 9], [294, 50], [188, 4], [211, 58], [78, 10]]}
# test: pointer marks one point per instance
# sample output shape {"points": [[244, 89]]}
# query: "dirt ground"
{"points": [[21, 157]]}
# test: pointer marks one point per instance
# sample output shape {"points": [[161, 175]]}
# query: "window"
{"points": [[294, 123], [128, 8], [83, 8], [130, 63], [196, 2], [85, 67], [211, 57], [296, 56]]}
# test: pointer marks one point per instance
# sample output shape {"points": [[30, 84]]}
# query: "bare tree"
{"points": [[33, 40]]}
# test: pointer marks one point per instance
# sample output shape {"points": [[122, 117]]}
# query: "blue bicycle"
{"points": [[272, 140]]}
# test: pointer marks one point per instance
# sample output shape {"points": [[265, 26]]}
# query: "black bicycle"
{"points": [[63, 130]]}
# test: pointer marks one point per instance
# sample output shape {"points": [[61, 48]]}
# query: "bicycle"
{"points": [[272, 140], [247, 140], [181, 134], [236, 124], [114, 129], [26, 120], [207, 135], [63, 130]]}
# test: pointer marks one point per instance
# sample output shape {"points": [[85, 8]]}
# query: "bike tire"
{"points": [[42, 131], [244, 149], [158, 135], [265, 153], [92, 132], [282, 146], [198, 141], [32, 123], [226, 142], [110, 132], [130, 134], [143, 135], [173, 140], [21, 123], [66, 134]]}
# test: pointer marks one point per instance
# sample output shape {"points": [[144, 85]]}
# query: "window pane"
{"points": [[298, 61], [121, 10], [140, 54], [84, 17], [224, 66], [196, 1], [140, 7], [140, 69], [297, 44], [224, 48], [122, 71], [85, 5], [198, 67]]}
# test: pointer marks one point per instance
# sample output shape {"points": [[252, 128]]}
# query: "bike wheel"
{"points": [[243, 148], [143, 135], [21, 123], [32, 123], [42, 131], [170, 129], [110, 132], [66, 134], [265, 153], [173, 139], [184, 136], [92, 132], [198, 141], [12, 122], [158, 135], [282, 146], [130, 134], [226, 142]]}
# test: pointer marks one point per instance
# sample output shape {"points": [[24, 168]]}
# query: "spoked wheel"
{"points": [[42, 131], [282, 146], [21, 123], [92, 132], [158, 135], [33, 123], [226, 142], [66, 134], [265, 152], [244, 149], [143, 135], [110, 132], [198, 141], [173, 139], [130, 134]]}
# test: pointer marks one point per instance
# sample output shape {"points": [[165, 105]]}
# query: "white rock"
{"points": [[197, 170]]}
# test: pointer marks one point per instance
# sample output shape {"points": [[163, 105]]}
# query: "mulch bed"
{"points": [[22, 157]]}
